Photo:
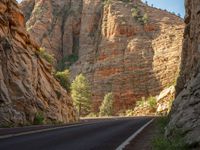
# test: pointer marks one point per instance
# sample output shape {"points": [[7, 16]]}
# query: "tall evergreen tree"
{"points": [[81, 95], [106, 108]]}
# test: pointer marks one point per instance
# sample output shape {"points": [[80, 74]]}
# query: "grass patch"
{"points": [[160, 142], [39, 119]]}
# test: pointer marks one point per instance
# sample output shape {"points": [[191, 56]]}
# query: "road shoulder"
{"points": [[144, 139]]}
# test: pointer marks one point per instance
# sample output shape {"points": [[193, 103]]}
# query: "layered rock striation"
{"points": [[118, 51], [55, 24], [185, 111], [27, 86]]}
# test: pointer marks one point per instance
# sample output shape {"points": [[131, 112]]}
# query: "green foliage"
{"points": [[39, 119], [149, 102], [66, 62], [160, 142], [81, 94], [106, 108], [145, 18], [136, 13], [63, 78], [48, 57]]}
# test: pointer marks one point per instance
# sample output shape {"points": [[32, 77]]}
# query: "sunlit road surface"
{"points": [[106, 134]]}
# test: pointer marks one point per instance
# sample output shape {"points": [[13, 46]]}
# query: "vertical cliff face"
{"points": [[27, 86], [185, 111], [117, 51], [55, 24], [120, 55]]}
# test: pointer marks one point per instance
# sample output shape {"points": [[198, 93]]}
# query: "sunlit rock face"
{"points": [[117, 53], [185, 111], [27, 86], [55, 24]]}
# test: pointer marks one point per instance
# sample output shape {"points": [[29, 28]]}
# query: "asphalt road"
{"points": [[102, 135]]}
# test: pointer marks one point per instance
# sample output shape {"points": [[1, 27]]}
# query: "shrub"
{"points": [[39, 119], [160, 142], [48, 57], [63, 78], [151, 102], [106, 108], [145, 18], [136, 13], [81, 94], [66, 62]]}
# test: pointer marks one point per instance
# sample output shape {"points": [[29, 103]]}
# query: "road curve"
{"points": [[102, 135]]}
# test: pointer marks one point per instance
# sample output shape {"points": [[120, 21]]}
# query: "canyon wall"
{"points": [[185, 111], [27, 86], [55, 24], [117, 51]]}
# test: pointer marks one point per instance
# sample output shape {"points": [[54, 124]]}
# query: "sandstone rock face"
{"points": [[116, 52], [55, 24], [27, 86], [185, 111], [120, 55]]}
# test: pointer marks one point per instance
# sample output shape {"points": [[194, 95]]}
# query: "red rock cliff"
{"points": [[116, 51]]}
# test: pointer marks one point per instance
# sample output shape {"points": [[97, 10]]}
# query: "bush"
{"points": [[106, 108], [66, 62], [39, 119], [145, 18], [136, 13], [151, 102], [160, 142], [63, 78], [48, 57]]}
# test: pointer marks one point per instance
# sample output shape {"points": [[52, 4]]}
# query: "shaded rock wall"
{"points": [[185, 111], [27, 86]]}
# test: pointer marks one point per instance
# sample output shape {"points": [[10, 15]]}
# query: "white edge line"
{"points": [[127, 141], [42, 130]]}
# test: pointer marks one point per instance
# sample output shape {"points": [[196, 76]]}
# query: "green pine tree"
{"points": [[106, 108], [81, 95]]}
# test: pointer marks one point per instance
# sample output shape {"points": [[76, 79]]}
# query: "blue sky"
{"points": [[176, 6]]}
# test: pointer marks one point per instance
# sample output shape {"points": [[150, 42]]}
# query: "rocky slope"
{"points": [[185, 111], [117, 51], [27, 87]]}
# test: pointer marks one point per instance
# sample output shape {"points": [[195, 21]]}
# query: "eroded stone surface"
{"points": [[27, 86], [116, 52], [185, 111]]}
